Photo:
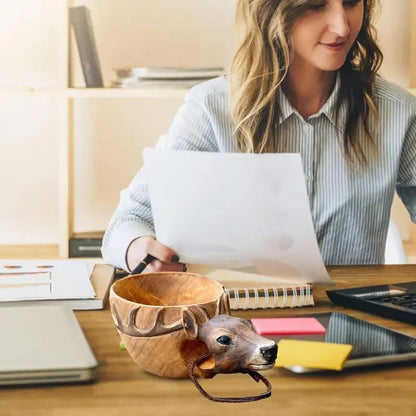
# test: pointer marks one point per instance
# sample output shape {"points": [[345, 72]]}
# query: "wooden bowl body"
{"points": [[147, 310]]}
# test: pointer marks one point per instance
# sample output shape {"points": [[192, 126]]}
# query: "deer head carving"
{"points": [[186, 332], [232, 345]]}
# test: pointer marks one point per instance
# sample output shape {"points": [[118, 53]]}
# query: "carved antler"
{"points": [[223, 305], [159, 327]]}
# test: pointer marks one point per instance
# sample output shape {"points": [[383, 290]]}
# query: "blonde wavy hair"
{"points": [[261, 64]]}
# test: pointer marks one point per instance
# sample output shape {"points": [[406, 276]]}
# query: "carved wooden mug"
{"points": [[178, 325]]}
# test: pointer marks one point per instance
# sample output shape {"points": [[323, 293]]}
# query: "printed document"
{"points": [[45, 279], [246, 212]]}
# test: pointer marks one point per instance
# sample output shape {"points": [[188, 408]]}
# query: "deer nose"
{"points": [[269, 353]]}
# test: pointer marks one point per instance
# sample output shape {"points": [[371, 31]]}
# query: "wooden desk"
{"points": [[124, 389]]}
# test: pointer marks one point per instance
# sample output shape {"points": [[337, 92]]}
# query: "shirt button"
{"points": [[306, 127]]}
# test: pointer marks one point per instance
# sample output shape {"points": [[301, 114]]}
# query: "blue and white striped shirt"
{"points": [[350, 206]]}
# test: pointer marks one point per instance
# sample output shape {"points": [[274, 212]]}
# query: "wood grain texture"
{"points": [[124, 389], [147, 310]]}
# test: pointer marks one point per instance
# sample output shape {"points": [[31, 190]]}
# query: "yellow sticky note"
{"points": [[311, 354]]}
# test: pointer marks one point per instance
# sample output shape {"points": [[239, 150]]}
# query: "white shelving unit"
{"points": [[67, 151], [66, 99], [62, 56], [67, 161]]}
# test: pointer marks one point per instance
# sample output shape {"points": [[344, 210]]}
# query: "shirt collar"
{"points": [[328, 109]]}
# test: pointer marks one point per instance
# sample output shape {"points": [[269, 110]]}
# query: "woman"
{"points": [[303, 80]]}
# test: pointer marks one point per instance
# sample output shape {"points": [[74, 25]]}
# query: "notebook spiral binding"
{"points": [[270, 298]]}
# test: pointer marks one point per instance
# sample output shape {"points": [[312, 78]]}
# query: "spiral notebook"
{"points": [[252, 291]]}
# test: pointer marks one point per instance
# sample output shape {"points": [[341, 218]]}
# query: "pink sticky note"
{"points": [[287, 326]]}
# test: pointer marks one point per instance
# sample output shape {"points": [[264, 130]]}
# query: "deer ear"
{"points": [[207, 364], [189, 323]]}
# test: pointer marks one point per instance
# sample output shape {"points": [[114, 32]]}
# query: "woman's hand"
{"points": [[165, 258]]}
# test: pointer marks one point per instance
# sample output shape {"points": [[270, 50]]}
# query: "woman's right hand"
{"points": [[165, 258]]}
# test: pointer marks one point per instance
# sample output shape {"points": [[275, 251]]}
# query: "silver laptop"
{"points": [[43, 344]]}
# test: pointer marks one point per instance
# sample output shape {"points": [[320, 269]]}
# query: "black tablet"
{"points": [[372, 344]]}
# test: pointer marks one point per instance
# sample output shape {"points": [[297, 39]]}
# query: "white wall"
{"points": [[393, 27], [28, 170], [110, 133], [29, 43], [394, 38]]}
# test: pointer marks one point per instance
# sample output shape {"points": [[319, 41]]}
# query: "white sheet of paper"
{"points": [[45, 279], [247, 212], [24, 292]]}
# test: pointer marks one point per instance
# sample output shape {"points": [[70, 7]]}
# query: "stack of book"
{"points": [[86, 244], [142, 77]]}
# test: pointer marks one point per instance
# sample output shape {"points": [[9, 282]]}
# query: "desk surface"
{"points": [[124, 389]]}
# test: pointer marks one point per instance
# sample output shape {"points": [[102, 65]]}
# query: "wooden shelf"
{"points": [[28, 91], [154, 92], [17, 251], [39, 251], [51, 251]]}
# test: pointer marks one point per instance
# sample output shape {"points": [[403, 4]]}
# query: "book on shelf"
{"points": [[169, 73], [134, 83], [75, 284], [86, 244], [142, 77], [253, 291], [80, 20]]}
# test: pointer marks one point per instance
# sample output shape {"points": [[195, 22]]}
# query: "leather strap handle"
{"points": [[254, 374]]}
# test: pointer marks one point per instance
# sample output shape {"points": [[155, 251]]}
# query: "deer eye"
{"points": [[224, 340]]}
